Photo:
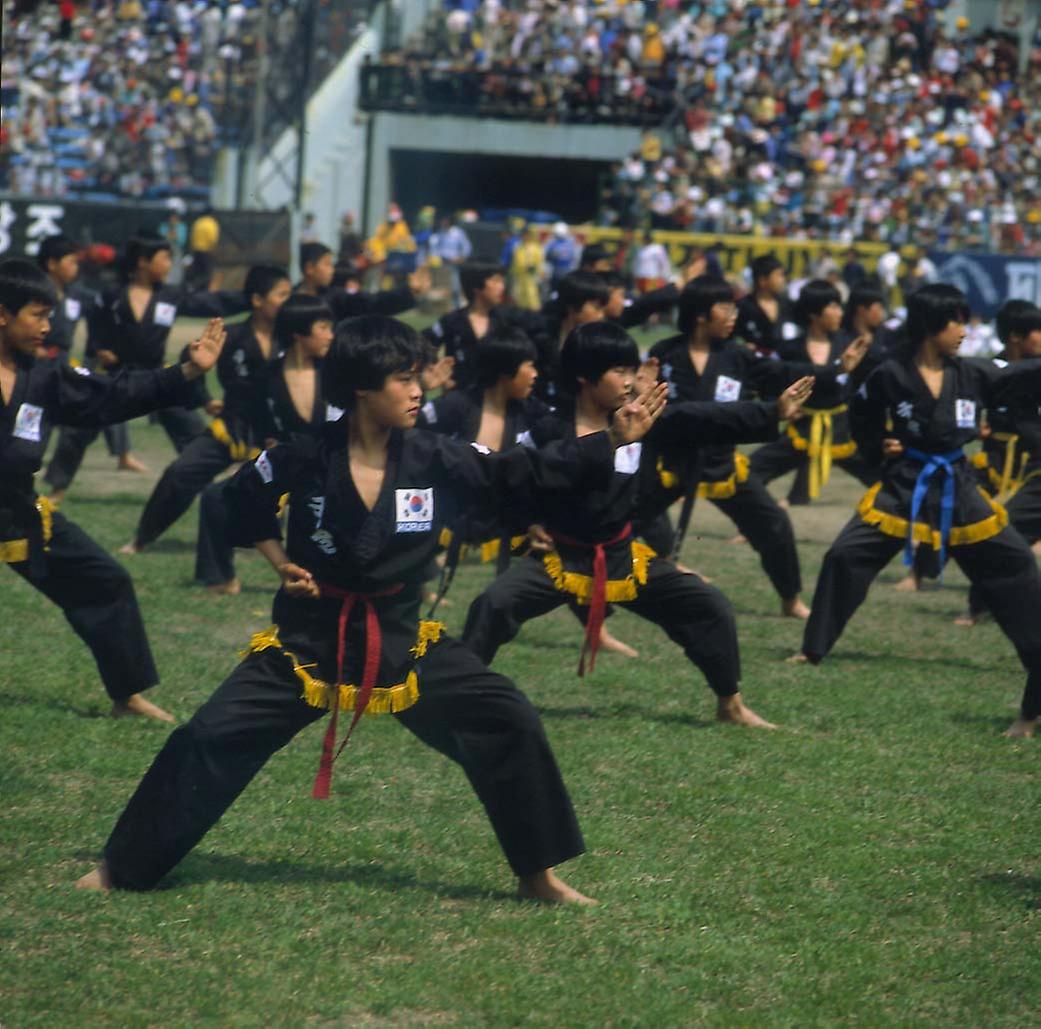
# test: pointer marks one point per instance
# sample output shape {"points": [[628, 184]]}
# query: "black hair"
{"points": [[862, 295], [142, 247], [813, 298], [763, 267], [576, 289], [344, 273], [614, 280], [22, 282], [54, 248], [502, 353], [698, 298], [297, 316], [931, 309], [365, 351], [311, 253], [592, 349], [261, 279], [591, 254], [1017, 317], [473, 276]]}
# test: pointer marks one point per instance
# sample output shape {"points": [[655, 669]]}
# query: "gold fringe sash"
{"points": [[961, 535], [581, 586], [384, 699], [820, 447], [490, 548], [238, 451], [726, 488]]}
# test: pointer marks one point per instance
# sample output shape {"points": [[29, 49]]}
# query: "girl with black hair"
{"points": [[47, 550], [366, 503], [233, 435], [821, 438], [914, 415], [128, 328], [596, 560]]}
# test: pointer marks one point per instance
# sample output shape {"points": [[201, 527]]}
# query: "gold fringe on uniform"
{"points": [[819, 447], [581, 586], [961, 535], [384, 699], [238, 451], [721, 490], [490, 548]]}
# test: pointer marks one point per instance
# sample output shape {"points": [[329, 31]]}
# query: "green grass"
{"points": [[874, 861]]}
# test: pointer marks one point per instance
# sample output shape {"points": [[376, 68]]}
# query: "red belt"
{"points": [[373, 652], [598, 593]]}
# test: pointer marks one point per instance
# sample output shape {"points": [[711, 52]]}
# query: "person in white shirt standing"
{"points": [[653, 268]]}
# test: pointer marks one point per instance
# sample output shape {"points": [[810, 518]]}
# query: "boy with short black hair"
{"points": [[764, 315]]}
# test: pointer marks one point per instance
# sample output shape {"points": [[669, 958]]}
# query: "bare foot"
{"points": [[231, 588], [909, 584], [137, 705], [793, 607], [444, 602], [129, 463], [691, 571], [739, 538], [57, 496], [733, 709], [611, 642], [797, 659], [130, 548], [98, 880], [1021, 729], [1036, 548], [967, 620], [546, 887], [784, 503]]}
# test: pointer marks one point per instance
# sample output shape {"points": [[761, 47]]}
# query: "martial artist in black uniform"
{"points": [[285, 402], [233, 435], [765, 319], [1009, 465], [366, 505], [821, 438], [596, 559], [918, 411], [128, 328], [705, 363], [47, 550]]}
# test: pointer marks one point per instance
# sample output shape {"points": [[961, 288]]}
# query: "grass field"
{"points": [[875, 861]]}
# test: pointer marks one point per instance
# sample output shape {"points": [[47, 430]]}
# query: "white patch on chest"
{"points": [[415, 509], [727, 389], [165, 314], [263, 467], [965, 414], [627, 458], [72, 309], [28, 423]]}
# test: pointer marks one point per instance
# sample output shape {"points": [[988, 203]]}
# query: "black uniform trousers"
{"points": [[1024, 515], [473, 716], [194, 468], [692, 613], [214, 555], [1001, 568], [772, 460], [767, 527], [96, 595], [181, 424]]}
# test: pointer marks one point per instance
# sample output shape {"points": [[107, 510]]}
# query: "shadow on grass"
{"points": [[205, 868], [626, 711], [996, 725], [1013, 886], [192, 584], [33, 700]]}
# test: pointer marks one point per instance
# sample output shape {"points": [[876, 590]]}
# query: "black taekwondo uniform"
{"points": [[820, 438], [598, 562], [929, 496], [731, 373], [140, 344], [362, 647], [762, 333], [54, 555], [232, 436]]}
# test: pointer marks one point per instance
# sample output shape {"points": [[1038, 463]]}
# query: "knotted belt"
{"points": [[598, 592], [819, 446], [931, 464], [1011, 479], [373, 653]]}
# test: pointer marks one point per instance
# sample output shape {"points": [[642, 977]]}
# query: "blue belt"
{"points": [[931, 464]]}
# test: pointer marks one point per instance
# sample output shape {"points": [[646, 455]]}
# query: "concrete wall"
{"points": [[473, 136]]}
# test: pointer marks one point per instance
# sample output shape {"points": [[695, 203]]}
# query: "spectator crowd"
{"points": [[838, 119], [134, 97]]}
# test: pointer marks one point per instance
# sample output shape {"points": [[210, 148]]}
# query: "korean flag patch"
{"points": [[727, 389], [965, 414], [165, 313], [415, 510], [263, 467], [72, 309], [28, 423]]}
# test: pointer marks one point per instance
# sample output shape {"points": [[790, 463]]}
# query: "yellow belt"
{"points": [[13, 551], [238, 451], [820, 447], [1010, 479]]}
